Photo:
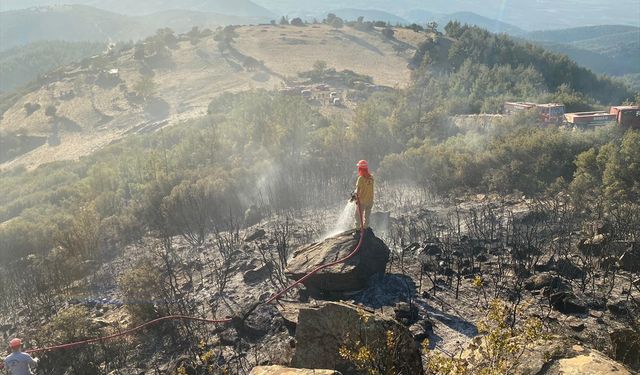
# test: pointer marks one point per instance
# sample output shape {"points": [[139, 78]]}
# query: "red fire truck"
{"points": [[549, 112], [627, 116]]}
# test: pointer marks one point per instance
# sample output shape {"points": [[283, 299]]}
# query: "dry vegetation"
{"points": [[101, 110]]}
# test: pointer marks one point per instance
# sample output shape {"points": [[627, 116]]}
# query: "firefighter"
{"points": [[364, 194], [18, 362]]}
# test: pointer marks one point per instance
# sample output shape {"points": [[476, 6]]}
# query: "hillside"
{"points": [[67, 22], [20, 65], [607, 49], [85, 106], [183, 79], [492, 25], [601, 63], [85, 23], [581, 33]]}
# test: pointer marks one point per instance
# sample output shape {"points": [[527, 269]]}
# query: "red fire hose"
{"points": [[210, 321]]}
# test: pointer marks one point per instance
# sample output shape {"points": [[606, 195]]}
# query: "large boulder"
{"points": [[351, 275], [562, 357], [546, 280], [626, 347], [567, 269], [567, 303], [327, 336], [630, 259], [592, 363], [280, 370]]}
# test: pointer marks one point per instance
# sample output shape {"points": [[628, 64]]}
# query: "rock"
{"points": [[322, 332], [385, 290], [567, 269], [249, 265], [255, 235], [619, 307], [406, 313], [593, 363], [577, 326], [630, 260], [597, 303], [567, 303], [280, 370], [432, 249], [348, 276], [546, 280], [596, 314], [420, 330], [626, 347], [259, 274], [289, 311], [101, 322], [560, 357]]}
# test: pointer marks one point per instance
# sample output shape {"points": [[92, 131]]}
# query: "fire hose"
{"points": [[226, 320]]}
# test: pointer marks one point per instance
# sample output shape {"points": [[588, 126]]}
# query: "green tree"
{"points": [[145, 87]]}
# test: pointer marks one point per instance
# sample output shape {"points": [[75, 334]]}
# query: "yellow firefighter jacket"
{"points": [[364, 189]]}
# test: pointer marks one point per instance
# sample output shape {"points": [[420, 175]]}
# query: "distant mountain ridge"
{"points": [[581, 33], [242, 8], [526, 14], [471, 18], [351, 14], [422, 17], [607, 49]]}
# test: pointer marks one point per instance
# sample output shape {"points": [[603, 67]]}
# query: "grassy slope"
{"points": [[196, 74]]}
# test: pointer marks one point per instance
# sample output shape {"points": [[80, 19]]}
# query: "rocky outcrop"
{"points": [[546, 280], [559, 357], [592, 363], [567, 269], [258, 274], [630, 259], [323, 332], [626, 347], [280, 370], [348, 276], [255, 235], [567, 303]]}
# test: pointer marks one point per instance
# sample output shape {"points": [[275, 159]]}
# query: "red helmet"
{"points": [[363, 164], [15, 343]]}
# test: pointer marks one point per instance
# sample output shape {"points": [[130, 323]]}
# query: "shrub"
{"points": [[141, 287], [30, 108], [498, 351]]}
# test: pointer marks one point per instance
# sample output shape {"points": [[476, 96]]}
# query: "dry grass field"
{"points": [[99, 113]]}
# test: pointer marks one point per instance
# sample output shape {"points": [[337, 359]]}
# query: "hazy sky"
{"points": [[526, 14]]}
